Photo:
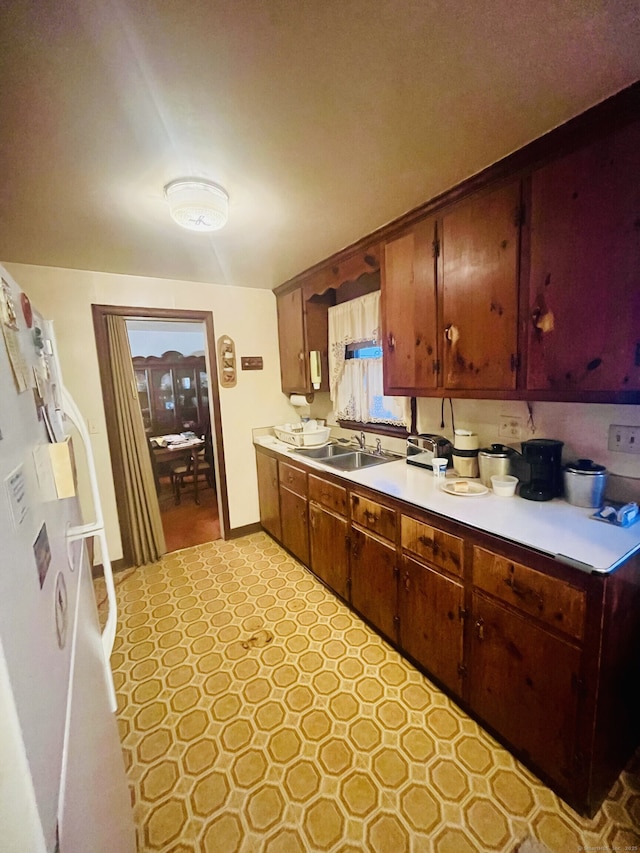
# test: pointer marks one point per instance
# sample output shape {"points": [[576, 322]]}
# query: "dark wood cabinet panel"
{"points": [[329, 549], [409, 314], [558, 604], [294, 479], [293, 350], [480, 249], [374, 588], [295, 524], [523, 682], [330, 495], [582, 323], [269, 494], [437, 547], [372, 515], [431, 608]]}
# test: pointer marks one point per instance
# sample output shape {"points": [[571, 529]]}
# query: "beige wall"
{"points": [[582, 427], [248, 315]]}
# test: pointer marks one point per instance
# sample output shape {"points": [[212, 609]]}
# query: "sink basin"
{"points": [[326, 452], [345, 458], [354, 460]]}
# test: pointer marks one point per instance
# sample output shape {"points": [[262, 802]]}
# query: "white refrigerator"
{"points": [[62, 779]]}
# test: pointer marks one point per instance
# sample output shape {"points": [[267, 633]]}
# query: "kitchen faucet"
{"points": [[359, 440]]}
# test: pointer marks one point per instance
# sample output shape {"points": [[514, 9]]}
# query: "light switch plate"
{"points": [[624, 439]]}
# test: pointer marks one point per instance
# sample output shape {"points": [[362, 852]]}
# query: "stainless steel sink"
{"points": [[354, 460], [325, 452], [346, 458]]}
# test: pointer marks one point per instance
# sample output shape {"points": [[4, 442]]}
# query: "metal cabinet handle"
{"points": [[391, 341], [480, 628]]}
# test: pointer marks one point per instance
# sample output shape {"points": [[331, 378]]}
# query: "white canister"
{"points": [[465, 453]]}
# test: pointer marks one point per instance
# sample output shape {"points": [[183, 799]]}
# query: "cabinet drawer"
{"points": [[432, 545], [328, 494], [548, 599], [374, 517], [293, 478]]}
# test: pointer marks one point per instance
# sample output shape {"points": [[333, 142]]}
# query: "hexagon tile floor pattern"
{"points": [[259, 715]]}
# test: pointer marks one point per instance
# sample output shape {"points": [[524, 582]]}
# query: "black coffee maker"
{"points": [[544, 457]]}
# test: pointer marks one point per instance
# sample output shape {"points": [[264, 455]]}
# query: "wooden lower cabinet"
{"points": [[329, 551], [374, 589], [295, 525], [544, 655], [269, 494], [523, 682], [431, 608]]}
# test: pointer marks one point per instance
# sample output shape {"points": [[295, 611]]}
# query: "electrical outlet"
{"points": [[509, 426], [624, 439]]}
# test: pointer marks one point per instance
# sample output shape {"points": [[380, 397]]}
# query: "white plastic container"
{"points": [[504, 485], [439, 467], [298, 436]]}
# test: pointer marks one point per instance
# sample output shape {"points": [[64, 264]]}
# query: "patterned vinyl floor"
{"points": [[258, 714]]}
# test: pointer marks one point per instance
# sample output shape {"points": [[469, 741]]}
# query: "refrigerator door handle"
{"points": [[94, 529]]}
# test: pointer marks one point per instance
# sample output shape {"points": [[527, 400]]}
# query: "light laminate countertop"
{"points": [[555, 527]]}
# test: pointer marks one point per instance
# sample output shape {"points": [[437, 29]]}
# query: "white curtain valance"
{"points": [[356, 384], [351, 322]]}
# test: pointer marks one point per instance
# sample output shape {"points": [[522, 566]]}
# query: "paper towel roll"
{"points": [[298, 400]]}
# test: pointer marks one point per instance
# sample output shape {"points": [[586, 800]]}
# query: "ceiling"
{"points": [[324, 119]]}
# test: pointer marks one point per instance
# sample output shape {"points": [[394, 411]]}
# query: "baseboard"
{"points": [[97, 571], [237, 532]]}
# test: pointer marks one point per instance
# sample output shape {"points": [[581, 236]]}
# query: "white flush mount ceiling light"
{"points": [[197, 204]]}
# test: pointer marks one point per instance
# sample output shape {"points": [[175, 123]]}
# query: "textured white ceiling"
{"points": [[324, 119]]}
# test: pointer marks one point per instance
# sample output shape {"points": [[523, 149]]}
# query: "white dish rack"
{"points": [[300, 437]]}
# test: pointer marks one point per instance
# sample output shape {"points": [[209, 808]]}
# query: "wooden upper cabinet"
{"points": [[293, 349], [479, 287], [408, 307], [582, 323]]}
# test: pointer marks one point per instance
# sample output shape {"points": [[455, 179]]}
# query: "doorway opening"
{"points": [[186, 389], [172, 383]]}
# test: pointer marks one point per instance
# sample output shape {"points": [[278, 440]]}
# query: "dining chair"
{"points": [[188, 472]]}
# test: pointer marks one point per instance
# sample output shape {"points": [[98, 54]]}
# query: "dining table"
{"points": [[177, 448]]}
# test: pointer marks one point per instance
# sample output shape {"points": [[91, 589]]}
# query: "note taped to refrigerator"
{"points": [[17, 493], [9, 322]]}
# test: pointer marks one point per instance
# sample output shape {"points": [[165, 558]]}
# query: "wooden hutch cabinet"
{"points": [[173, 390]]}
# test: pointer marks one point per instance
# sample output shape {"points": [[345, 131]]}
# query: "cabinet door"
{"points": [[480, 245], [186, 396], [269, 494], [408, 306], [329, 550], [142, 384], [374, 589], [431, 621], [524, 683], [583, 324], [293, 350], [295, 525], [163, 400]]}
